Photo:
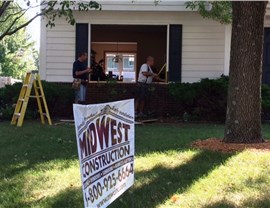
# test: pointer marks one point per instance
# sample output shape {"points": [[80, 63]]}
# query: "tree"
{"points": [[17, 52], [243, 119], [17, 55], [11, 12]]}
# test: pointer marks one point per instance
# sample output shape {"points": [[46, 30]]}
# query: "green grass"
{"points": [[39, 168]]}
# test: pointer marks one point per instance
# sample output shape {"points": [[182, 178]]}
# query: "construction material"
{"points": [[142, 122], [163, 67]]}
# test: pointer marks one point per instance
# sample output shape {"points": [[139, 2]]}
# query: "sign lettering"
{"points": [[105, 140]]}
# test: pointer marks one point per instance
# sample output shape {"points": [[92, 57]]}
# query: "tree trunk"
{"points": [[243, 118]]}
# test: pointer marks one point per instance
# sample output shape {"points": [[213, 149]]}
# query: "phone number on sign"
{"points": [[108, 182]]}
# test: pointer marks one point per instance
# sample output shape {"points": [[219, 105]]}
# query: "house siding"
{"points": [[267, 16], [60, 52], [203, 42]]}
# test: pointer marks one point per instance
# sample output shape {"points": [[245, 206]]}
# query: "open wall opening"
{"points": [[131, 44]]}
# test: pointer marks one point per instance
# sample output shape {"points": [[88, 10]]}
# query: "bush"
{"points": [[265, 102], [59, 99], [207, 99], [6, 112], [204, 100]]}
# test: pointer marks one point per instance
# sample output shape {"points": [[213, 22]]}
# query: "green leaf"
{"points": [[217, 10]]}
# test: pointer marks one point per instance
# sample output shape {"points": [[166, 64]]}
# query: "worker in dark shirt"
{"points": [[81, 71], [99, 72]]}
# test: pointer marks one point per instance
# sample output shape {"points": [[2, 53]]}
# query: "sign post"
{"points": [[105, 140]]}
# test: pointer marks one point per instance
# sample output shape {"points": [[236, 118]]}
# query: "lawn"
{"points": [[39, 168]]}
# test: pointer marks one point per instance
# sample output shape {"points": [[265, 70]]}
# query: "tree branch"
{"points": [[10, 26], [4, 6], [47, 9], [8, 32], [10, 15], [18, 12]]}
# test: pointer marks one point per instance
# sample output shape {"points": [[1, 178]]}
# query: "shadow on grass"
{"points": [[261, 202], [164, 182], [161, 187], [68, 198], [260, 183], [221, 204], [33, 145], [24, 149], [36, 144]]}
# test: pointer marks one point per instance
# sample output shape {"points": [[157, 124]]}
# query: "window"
{"points": [[128, 63], [121, 64]]}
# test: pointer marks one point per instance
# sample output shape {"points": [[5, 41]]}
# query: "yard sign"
{"points": [[105, 140]]}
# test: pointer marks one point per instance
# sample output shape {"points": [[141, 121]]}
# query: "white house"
{"points": [[192, 47]]}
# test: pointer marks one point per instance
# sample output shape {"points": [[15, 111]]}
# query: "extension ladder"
{"points": [[32, 79]]}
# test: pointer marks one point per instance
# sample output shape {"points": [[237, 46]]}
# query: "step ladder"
{"points": [[32, 79]]}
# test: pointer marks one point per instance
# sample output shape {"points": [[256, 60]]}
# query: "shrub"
{"points": [[8, 96], [59, 99], [207, 99], [10, 93], [6, 112], [204, 100], [265, 102]]}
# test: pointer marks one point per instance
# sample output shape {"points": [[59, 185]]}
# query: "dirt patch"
{"points": [[215, 144]]}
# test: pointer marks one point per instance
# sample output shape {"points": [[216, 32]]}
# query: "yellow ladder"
{"points": [[32, 79]]}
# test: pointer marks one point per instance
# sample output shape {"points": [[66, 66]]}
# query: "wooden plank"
{"points": [[63, 122], [67, 120], [146, 121]]}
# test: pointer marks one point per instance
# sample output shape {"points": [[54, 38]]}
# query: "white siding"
{"points": [[202, 51], [60, 53], [267, 16]]}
